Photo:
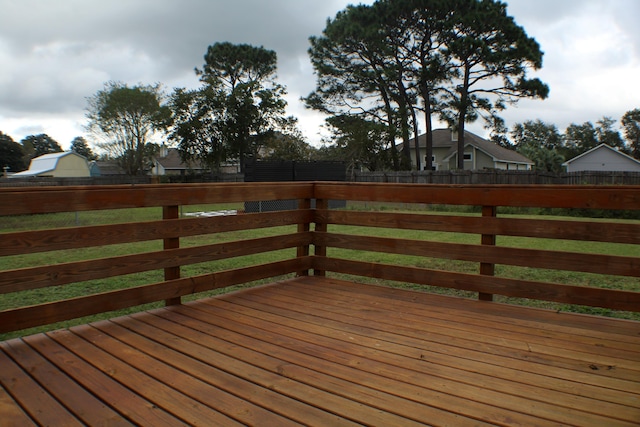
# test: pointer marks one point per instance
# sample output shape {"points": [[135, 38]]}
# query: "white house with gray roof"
{"points": [[603, 158]]}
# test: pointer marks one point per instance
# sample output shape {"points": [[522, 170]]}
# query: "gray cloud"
{"points": [[56, 54]]}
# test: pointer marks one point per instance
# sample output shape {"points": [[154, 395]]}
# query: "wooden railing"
{"points": [[336, 248]]}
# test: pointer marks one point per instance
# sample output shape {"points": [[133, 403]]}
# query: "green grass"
{"points": [[97, 286]]}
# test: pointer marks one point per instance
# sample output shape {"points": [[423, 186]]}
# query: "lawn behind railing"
{"points": [[152, 249]]}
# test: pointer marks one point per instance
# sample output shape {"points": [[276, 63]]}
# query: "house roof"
{"points": [[172, 161], [106, 168], [601, 147], [442, 139], [45, 163]]}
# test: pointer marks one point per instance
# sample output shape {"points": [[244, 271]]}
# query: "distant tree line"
{"points": [[15, 157], [548, 148], [382, 71]]}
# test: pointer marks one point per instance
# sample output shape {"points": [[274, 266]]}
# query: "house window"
{"points": [[467, 157], [434, 166]]}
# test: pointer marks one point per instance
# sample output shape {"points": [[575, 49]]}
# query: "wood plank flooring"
{"points": [[322, 352]]}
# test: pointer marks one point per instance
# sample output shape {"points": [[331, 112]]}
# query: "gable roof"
{"points": [[172, 161], [602, 146], [45, 163], [106, 168], [442, 138]]}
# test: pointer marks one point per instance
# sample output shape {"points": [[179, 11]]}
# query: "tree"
{"points": [[195, 126], [417, 29], [360, 142], [238, 108], [536, 134], [579, 139], [11, 155], [129, 118], [606, 134], [40, 144], [290, 146], [353, 68], [491, 55], [80, 146], [540, 142], [582, 138], [458, 58], [631, 125]]}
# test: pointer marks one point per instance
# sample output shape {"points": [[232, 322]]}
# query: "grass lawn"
{"points": [[126, 215]]}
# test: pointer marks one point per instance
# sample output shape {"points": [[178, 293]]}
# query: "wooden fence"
{"points": [[500, 177], [310, 242]]}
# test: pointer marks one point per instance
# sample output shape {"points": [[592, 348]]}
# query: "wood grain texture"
{"points": [[319, 351], [27, 242], [580, 295], [43, 314], [73, 272], [534, 258], [544, 196], [596, 231], [35, 200]]}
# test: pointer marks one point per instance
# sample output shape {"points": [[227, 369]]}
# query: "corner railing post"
{"points": [[320, 250], [171, 273], [303, 227], [487, 269]]}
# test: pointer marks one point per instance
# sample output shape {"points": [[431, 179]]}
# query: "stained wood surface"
{"points": [[97, 197], [320, 352], [170, 230], [595, 231], [25, 242], [66, 309], [547, 196], [557, 292], [72, 272]]}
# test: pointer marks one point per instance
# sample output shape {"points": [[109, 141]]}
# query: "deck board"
{"points": [[320, 351]]}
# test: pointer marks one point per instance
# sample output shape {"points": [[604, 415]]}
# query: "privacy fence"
{"points": [[500, 177], [121, 179], [314, 172]]}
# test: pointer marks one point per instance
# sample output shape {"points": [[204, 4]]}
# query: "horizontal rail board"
{"points": [[61, 274], [579, 295], [553, 196], [554, 260], [312, 230], [36, 200], [27, 242], [540, 228], [58, 311]]}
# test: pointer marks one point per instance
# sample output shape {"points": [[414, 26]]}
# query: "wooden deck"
{"points": [[319, 351]]}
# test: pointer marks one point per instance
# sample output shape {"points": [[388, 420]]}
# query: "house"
{"points": [[478, 153], [106, 168], [64, 164], [603, 158], [169, 162]]}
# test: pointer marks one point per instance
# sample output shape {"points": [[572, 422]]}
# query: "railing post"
{"points": [[171, 273], [487, 269], [304, 227], [320, 227]]}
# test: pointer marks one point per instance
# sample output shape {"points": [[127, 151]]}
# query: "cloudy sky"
{"points": [[55, 54]]}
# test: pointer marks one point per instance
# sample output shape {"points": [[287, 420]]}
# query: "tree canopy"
{"points": [[236, 111], [11, 155], [128, 118], [80, 146], [38, 145], [461, 59], [541, 143], [631, 126], [579, 138]]}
